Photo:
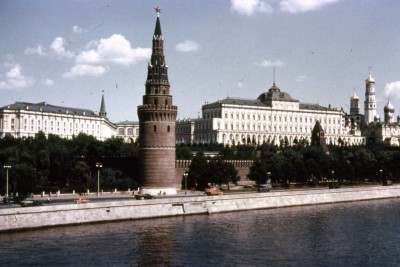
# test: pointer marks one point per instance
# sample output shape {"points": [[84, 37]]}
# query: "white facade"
{"points": [[273, 117], [370, 101], [23, 119]]}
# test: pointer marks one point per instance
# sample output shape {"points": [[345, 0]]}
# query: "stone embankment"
{"points": [[55, 215]]}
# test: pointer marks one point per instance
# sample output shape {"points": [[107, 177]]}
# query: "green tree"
{"points": [[198, 172]]}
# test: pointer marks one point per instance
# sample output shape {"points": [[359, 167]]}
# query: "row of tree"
{"points": [[307, 164], [51, 164]]}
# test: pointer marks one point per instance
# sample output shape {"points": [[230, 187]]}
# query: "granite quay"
{"points": [[116, 210]]}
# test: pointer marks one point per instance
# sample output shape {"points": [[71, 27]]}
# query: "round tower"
{"points": [[354, 105], [157, 119], [370, 101]]}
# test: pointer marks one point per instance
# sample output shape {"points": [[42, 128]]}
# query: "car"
{"points": [[82, 201], [213, 191], [145, 196], [264, 187]]}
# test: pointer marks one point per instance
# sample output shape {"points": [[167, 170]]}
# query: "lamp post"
{"points": [[98, 166], [185, 175], [7, 167], [381, 174], [269, 177]]}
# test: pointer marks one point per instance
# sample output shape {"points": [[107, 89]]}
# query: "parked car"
{"points": [[264, 187], [82, 201], [213, 191], [145, 196]]}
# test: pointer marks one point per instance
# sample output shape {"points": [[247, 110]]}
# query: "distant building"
{"points": [[23, 119], [273, 117]]}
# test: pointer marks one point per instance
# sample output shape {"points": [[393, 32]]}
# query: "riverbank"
{"points": [[22, 218]]}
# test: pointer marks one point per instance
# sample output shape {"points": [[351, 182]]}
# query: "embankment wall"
{"points": [[47, 216]]}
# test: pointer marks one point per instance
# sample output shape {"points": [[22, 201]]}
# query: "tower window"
{"points": [[168, 128], [155, 128]]}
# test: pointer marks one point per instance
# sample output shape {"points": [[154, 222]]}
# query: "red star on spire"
{"points": [[158, 10]]}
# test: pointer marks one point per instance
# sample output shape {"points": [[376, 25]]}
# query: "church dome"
{"points": [[354, 97], [388, 107], [370, 79]]}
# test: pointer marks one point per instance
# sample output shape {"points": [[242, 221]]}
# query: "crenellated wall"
{"points": [[242, 166]]}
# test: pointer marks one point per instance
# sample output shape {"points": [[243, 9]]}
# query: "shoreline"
{"points": [[34, 217]]}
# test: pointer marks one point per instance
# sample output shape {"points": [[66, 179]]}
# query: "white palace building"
{"points": [[276, 117], [23, 119]]}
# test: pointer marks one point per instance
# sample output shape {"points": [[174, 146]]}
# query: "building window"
{"points": [[130, 131], [168, 128], [155, 128], [121, 131]]}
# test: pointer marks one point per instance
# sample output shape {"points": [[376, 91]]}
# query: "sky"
{"points": [[67, 52]]}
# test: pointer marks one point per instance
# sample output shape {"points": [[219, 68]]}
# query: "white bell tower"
{"points": [[370, 101]]}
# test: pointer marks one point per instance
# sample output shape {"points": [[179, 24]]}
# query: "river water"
{"points": [[348, 234]]}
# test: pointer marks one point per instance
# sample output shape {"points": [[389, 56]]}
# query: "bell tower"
{"points": [[157, 120], [370, 101]]}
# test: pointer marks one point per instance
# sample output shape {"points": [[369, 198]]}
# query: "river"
{"points": [[347, 234]]}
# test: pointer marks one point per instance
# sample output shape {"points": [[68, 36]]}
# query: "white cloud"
{"points": [[115, 49], [269, 63], [392, 89], [76, 29], [85, 70], [187, 46], [48, 82], [14, 78], [249, 7], [35, 51], [57, 47], [296, 6]]}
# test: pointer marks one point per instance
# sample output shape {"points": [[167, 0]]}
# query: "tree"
{"points": [[198, 172]]}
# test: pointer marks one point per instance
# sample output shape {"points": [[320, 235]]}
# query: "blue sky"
{"points": [[67, 52]]}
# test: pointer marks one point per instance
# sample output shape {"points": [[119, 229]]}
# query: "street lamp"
{"points": [[7, 167], [381, 174], [269, 177], [99, 165], [185, 175]]}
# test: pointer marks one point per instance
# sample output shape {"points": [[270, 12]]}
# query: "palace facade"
{"points": [[23, 119], [274, 117]]}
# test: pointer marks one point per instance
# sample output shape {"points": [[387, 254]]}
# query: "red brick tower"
{"points": [[157, 119]]}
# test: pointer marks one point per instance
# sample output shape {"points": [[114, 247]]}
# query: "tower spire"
{"points": [[103, 112]]}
